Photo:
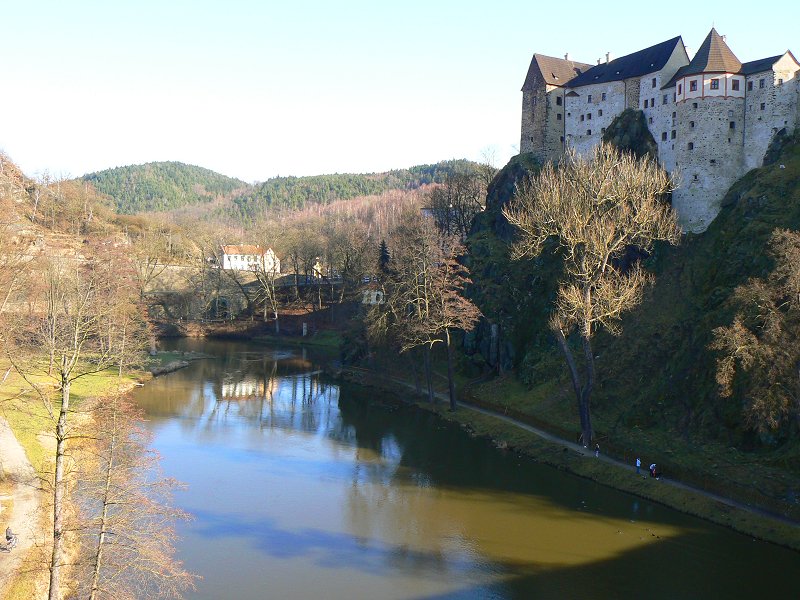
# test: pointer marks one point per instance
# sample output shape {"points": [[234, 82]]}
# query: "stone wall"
{"points": [[769, 108], [542, 127], [709, 154], [632, 92], [591, 112]]}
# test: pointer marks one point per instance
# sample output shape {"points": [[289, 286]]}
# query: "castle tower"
{"points": [[543, 115], [708, 134]]}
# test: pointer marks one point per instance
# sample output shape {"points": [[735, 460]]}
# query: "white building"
{"points": [[248, 257]]}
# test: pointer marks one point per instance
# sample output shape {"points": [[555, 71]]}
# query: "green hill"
{"points": [[161, 186]]}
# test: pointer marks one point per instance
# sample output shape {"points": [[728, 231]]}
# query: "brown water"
{"points": [[304, 489]]}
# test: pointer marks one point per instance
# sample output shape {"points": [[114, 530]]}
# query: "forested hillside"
{"points": [[172, 186], [299, 192], [161, 186]]}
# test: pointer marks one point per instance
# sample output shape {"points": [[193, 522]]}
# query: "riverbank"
{"points": [[516, 436], [168, 362], [27, 448]]}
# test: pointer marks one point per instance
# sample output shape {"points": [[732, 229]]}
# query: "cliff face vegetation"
{"points": [[661, 375]]}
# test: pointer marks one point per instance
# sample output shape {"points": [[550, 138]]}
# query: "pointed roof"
{"points": [[714, 56], [554, 71], [639, 63]]}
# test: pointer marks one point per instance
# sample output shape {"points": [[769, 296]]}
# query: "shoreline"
{"points": [[512, 435]]}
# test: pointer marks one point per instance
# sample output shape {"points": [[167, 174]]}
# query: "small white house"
{"points": [[248, 257]]}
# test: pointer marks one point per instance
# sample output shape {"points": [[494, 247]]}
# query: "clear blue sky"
{"points": [[255, 89]]}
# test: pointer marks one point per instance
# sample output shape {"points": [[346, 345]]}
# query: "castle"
{"points": [[712, 117]]}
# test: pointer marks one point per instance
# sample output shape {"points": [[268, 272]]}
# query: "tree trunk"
{"points": [[586, 393], [576, 381], [277, 325], [58, 493], [451, 378], [429, 374], [101, 539]]}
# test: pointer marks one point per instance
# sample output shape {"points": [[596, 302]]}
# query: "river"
{"points": [[302, 488]]}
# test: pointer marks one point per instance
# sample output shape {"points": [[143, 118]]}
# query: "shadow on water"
{"points": [[419, 496]]}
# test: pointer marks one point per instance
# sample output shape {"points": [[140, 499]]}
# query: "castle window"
{"points": [[589, 98], [761, 83], [653, 82], [674, 115], [749, 86], [645, 104], [715, 84], [690, 146], [680, 88], [693, 86], [735, 85], [763, 106], [583, 117], [664, 136], [600, 113], [672, 134], [695, 177], [558, 117], [652, 102], [569, 114], [694, 104], [780, 81], [665, 99], [562, 139], [559, 101], [603, 96], [730, 114], [691, 124], [650, 120], [732, 125], [588, 132], [713, 161], [589, 117]]}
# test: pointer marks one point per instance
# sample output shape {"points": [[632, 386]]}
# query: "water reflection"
{"points": [[310, 490]]}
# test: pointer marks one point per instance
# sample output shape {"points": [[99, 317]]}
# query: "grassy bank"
{"points": [[507, 396], [330, 340], [33, 423]]}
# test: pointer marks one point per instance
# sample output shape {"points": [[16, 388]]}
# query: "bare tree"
{"points": [[126, 522], [425, 294], [759, 359], [267, 276], [73, 337], [455, 202], [594, 209]]}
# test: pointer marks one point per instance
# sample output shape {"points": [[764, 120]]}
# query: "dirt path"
{"points": [[607, 459], [630, 467], [25, 493]]}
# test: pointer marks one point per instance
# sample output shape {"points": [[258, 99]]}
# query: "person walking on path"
{"points": [[638, 465], [597, 450]]}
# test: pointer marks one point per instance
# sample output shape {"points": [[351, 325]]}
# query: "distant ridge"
{"points": [[168, 186], [161, 186]]}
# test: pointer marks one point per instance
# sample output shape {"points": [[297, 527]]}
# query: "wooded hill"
{"points": [[167, 186], [160, 186]]}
